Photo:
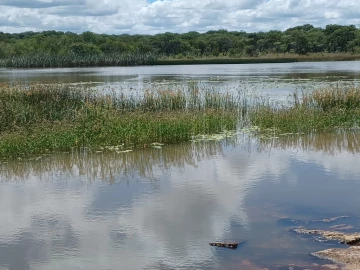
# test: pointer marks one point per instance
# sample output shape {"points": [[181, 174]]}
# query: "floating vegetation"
{"points": [[214, 137], [125, 151]]}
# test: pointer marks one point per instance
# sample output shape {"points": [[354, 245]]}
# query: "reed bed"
{"points": [[267, 58], [47, 118], [43, 118], [73, 60], [136, 59], [319, 109]]}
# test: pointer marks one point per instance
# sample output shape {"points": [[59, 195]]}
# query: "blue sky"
{"points": [[156, 16]]}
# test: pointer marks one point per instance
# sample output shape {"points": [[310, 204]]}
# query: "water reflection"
{"points": [[144, 163], [159, 208], [292, 71], [275, 80], [328, 142]]}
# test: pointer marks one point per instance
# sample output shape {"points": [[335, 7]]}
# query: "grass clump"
{"points": [[46, 118], [320, 109]]}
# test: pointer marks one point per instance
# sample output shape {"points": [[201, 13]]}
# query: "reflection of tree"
{"points": [[106, 165], [145, 162], [328, 142]]}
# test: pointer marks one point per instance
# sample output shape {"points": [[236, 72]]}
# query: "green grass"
{"points": [[320, 109], [48, 118], [42, 118]]}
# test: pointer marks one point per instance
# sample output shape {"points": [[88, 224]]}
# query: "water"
{"points": [[275, 80], [160, 208]]}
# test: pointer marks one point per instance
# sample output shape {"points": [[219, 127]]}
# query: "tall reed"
{"points": [[73, 60], [319, 109], [59, 117]]}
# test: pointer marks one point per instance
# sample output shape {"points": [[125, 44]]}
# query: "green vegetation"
{"points": [[74, 60], [40, 118], [268, 58], [48, 118], [320, 109], [66, 49]]}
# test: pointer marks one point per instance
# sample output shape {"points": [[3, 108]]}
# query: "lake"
{"points": [[274, 80], [160, 208]]}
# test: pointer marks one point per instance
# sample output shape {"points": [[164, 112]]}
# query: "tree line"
{"points": [[301, 40]]}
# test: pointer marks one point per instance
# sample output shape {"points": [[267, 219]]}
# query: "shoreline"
{"points": [[259, 60], [266, 59]]}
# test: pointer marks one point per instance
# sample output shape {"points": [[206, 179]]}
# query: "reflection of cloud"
{"points": [[166, 222], [342, 163]]}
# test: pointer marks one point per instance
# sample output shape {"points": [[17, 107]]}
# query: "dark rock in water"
{"points": [[344, 238], [350, 257], [225, 245]]}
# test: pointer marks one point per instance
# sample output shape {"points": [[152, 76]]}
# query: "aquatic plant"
{"points": [[319, 109], [41, 118]]}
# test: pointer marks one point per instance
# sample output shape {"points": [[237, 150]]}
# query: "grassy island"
{"points": [[46, 118]]}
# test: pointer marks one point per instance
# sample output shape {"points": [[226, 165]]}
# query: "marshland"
{"points": [[142, 167]]}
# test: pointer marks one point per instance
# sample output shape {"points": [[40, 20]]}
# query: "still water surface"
{"points": [[159, 208], [275, 80]]}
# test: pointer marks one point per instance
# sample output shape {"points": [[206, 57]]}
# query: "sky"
{"points": [[158, 16]]}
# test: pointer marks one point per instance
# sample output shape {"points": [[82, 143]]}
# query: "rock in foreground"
{"points": [[345, 238], [350, 257]]}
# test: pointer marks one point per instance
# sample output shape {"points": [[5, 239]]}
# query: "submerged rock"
{"points": [[329, 220], [304, 266], [344, 238], [329, 267], [350, 257], [248, 265], [293, 222], [313, 267], [342, 227]]}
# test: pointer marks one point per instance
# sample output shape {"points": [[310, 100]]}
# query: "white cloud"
{"points": [[141, 16]]}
